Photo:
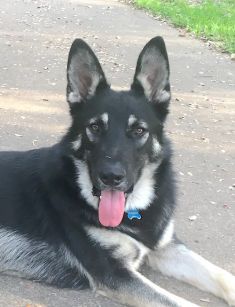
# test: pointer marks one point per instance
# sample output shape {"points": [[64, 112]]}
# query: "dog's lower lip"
{"points": [[97, 192], [124, 194]]}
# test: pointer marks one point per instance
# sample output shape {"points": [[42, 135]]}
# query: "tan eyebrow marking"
{"points": [[105, 118], [131, 120]]}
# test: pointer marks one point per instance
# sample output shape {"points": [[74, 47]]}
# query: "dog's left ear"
{"points": [[152, 75], [84, 73]]}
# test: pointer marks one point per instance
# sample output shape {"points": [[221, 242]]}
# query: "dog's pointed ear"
{"points": [[84, 73], [152, 75]]}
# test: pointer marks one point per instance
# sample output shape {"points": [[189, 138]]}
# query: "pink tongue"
{"points": [[111, 208]]}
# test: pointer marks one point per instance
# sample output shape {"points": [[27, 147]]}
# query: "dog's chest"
{"points": [[123, 247]]}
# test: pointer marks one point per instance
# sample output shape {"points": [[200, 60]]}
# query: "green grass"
{"points": [[212, 19]]}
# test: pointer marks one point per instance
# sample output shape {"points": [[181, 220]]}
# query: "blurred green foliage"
{"points": [[214, 20]]}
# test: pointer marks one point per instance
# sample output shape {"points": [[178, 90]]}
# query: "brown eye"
{"points": [[95, 127], [139, 131]]}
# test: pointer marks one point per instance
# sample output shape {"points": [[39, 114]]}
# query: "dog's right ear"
{"points": [[84, 73]]}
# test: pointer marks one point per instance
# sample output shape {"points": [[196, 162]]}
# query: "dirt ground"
{"points": [[34, 43]]}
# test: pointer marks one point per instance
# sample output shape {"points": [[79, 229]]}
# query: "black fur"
{"points": [[41, 200]]}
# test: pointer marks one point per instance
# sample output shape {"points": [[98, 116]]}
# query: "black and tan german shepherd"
{"points": [[88, 211]]}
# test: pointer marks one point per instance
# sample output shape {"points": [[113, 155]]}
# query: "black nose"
{"points": [[112, 175]]}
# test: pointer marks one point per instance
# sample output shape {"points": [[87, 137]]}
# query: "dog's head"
{"points": [[117, 136]]}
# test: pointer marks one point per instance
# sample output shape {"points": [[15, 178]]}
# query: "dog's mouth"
{"points": [[111, 206]]}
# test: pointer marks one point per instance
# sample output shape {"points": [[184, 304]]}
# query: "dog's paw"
{"points": [[227, 284]]}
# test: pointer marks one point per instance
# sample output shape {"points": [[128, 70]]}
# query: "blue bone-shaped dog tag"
{"points": [[133, 214]]}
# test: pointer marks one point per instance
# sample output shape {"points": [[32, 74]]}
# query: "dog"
{"points": [[91, 209]]}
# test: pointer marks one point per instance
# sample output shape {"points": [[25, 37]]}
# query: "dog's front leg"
{"points": [[108, 259], [136, 290], [176, 260]]}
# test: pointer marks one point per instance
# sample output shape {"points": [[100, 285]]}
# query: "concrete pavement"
{"points": [[34, 43]]}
